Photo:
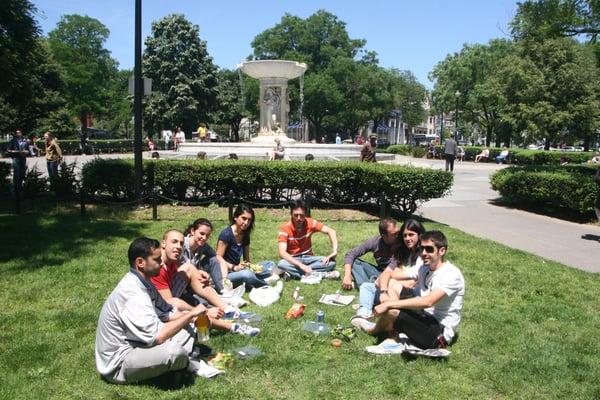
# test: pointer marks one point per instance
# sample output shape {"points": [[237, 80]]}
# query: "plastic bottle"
{"points": [[296, 294], [203, 328]]}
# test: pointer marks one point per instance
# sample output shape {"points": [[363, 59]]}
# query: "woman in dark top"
{"points": [[233, 249]]}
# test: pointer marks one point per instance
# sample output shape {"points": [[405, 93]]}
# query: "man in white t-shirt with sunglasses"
{"points": [[431, 318]]}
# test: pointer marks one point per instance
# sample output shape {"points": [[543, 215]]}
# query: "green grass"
{"points": [[529, 328]]}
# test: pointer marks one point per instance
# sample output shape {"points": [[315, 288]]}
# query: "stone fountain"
{"points": [[274, 108], [274, 95]]}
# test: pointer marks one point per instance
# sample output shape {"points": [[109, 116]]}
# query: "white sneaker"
{"points": [[201, 368], [363, 324], [246, 330]]}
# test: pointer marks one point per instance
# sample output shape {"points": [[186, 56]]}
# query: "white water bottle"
{"points": [[296, 294]]}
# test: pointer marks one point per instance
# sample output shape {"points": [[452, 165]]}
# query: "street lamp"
{"points": [[457, 95]]}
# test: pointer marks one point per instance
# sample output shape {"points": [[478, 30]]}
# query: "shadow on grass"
{"points": [[171, 381], [563, 214], [33, 240]]}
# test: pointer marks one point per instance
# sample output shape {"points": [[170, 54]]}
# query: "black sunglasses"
{"points": [[429, 249]]}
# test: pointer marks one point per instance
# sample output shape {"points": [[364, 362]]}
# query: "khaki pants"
{"points": [[143, 363]]}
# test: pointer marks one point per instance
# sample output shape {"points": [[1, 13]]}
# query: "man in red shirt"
{"points": [[295, 245], [178, 285]]}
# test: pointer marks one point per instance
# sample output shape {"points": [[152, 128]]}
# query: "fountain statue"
{"points": [[274, 95]]}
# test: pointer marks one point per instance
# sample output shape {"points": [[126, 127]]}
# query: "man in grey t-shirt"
{"points": [[139, 335], [383, 247], [450, 150]]}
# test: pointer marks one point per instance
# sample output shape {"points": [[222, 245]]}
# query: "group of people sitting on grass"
{"points": [[146, 325]]}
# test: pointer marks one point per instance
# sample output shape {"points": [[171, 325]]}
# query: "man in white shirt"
{"points": [[431, 318], [139, 335]]}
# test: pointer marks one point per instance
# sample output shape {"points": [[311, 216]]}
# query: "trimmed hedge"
{"points": [[569, 187], [516, 156], [5, 169], [332, 182]]}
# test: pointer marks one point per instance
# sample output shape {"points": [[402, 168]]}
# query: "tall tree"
{"points": [[316, 40], [77, 45], [540, 19], [550, 91], [468, 74], [230, 103], [184, 77]]}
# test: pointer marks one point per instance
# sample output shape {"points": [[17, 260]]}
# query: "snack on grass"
{"points": [[256, 268], [221, 361], [295, 311], [344, 333]]}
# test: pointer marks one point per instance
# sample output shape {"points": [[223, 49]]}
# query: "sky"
{"points": [[409, 35]]}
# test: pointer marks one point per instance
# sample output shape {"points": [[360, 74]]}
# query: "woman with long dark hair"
{"points": [[233, 250], [199, 253], [385, 288]]}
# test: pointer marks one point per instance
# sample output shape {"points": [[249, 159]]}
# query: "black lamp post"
{"points": [[137, 100], [457, 95]]}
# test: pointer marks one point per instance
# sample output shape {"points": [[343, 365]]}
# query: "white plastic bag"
{"points": [[266, 295], [233, 297]]}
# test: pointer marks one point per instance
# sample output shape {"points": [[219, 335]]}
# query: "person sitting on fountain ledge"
{"points": [[295, 246], [278, 152]]}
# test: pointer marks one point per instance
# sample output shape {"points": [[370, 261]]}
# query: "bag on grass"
{"points": [[266, 295]]}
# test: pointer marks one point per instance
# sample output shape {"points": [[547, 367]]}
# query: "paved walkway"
{"points": [[469, 208]]}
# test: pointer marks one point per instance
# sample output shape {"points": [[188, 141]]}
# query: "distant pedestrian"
{"points": [[53, 155], [450, 150], [18, 150], [338, 139], [367, 153]]}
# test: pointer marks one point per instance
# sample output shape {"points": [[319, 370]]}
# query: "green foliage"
{"points": [[184, 78], [113, 178], [34, 183], [65, 185], [5, 169], [539, 20], [230, 101], [570, 188], [316, 40], [77, 45], [339, 182], [403, 149], [418, 152]]}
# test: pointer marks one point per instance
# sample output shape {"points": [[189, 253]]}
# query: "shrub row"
{"points": [[333, 182], [71, 146], [517, 156], [570, 187], [5, 169]]}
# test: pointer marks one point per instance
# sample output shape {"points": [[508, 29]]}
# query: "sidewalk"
{"points": [[469, 209]]}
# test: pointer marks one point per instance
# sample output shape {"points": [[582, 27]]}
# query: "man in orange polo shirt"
{"points": [[295, 245]]}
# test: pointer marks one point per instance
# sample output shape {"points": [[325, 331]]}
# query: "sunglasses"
{"points": [[429, 249]]}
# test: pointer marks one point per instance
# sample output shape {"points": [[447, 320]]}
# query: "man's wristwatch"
{"points": [[383, 291]]}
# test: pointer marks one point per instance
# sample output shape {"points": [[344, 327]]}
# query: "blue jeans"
{"points": [[363, 271], [315, 262], [19, 165], [368, 297], [500, 159], [250, 278], [52, 169], [212, 266]]}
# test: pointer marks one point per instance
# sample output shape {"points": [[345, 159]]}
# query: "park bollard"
{"points": [[383, 206], [308, 202], [17, 199], [81, 203], [154, 205], [230, 204]]}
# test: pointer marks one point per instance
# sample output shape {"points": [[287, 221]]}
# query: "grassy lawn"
{"points": [[529, 329]]}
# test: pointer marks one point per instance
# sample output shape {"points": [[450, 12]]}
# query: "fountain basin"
{"points": [[273, 69]]}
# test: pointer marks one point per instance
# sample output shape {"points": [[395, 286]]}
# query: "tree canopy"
{"points": [[184, 76], [77, 45]]}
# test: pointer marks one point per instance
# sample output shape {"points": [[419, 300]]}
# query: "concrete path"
{"points": [[469, 208]]}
